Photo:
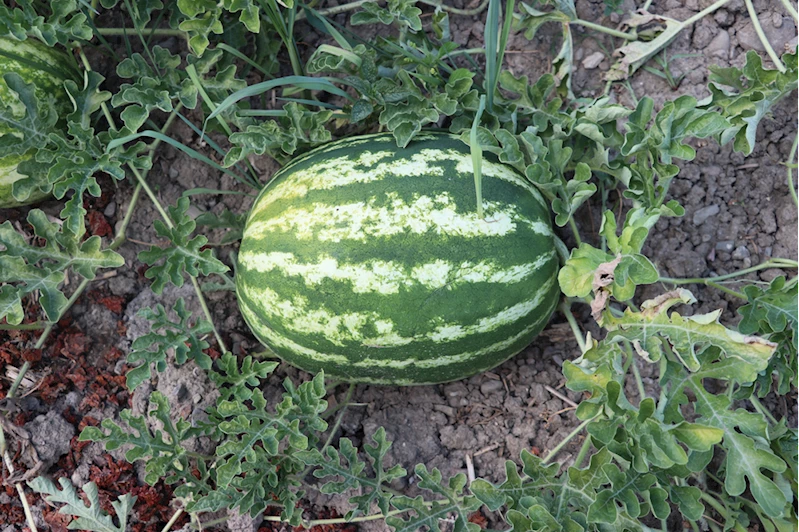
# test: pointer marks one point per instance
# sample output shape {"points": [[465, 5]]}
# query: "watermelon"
{"points": [[47, 69], [370, 262]]}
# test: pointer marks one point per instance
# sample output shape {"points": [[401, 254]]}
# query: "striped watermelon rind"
{"points": [[369, 262], [47, 69]]}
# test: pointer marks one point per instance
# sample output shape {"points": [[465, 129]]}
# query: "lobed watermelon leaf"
{"points": [[92, 517], [184, 255], [62, 21], [178, 337], [430, 515], [352, 474]]}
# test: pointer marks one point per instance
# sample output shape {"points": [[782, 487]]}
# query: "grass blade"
{"points": [[477, 156], [490, 38], [232, 51], [175, 144], [302, 82]]}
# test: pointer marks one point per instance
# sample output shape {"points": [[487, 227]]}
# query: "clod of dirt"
{"points": [[237, 522], [704, 213], [50, 435]]}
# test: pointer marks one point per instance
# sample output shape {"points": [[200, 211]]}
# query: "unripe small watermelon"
{"points": [[370, 262], [47, 69]]}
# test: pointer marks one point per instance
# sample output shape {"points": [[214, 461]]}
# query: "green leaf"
{"points": [[773, 310], [590, 269], [10, 305], [259, 450], [687, 499], [755, 91], [509, 493], [236, 382], [184, 255], [430, 515], [179, 337], [405, 119], [689, 336], [163, 450], [92, 517], [352, 474], [403, 12], [530, 19], [62, 21], [33, 268], [745, 433], [296, 131]]}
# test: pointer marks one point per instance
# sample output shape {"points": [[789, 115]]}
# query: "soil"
{"points": [[738, 213]]}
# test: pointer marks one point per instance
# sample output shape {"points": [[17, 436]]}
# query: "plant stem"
{"points": [[723, 288], [455, 10], [583, 451], [207, 313], [567, 439], [565, 308], [763, 39], [336, 520], [771, 263], [21, 493], [575, 232], [636, 373], [705, 12], [716, 505], [791, 156], [791, 10], [763, 410], [603, 29], [23, 326], [111, 32], [172, 520], [335, 10]]}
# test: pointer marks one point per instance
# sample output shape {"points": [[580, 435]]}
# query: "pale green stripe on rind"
{"points": [[377, 165], [280, 341], [387, 277], [455, 331], [299, 316], [362, 221]]}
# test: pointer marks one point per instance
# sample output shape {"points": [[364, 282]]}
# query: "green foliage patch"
{"points": [[698, 448]]}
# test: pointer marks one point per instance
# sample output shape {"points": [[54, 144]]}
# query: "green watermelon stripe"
{"points": [[299, 317], [405, 371], [364, 221], [379, 165], [369, 262], [387, 277], [46, 69]]}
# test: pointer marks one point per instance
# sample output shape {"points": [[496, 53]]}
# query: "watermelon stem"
{"points": [[477, 157], [342, 409], [567, 439], [565, 308]]}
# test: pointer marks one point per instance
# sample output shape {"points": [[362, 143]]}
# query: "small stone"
{"points": [[724, 18], [173, 172], [444, 409], [110, 209], [740, 253], [725, 245], [593, 60], [719, 46], [704, 213], [776, 20], [491, 386]]}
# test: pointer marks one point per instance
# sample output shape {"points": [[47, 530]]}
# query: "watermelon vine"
{"points": [[700, 449]]}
